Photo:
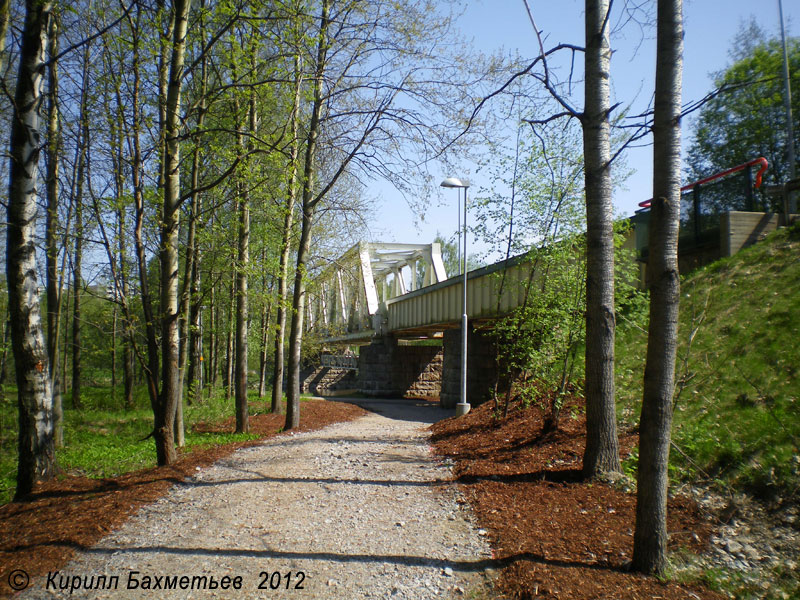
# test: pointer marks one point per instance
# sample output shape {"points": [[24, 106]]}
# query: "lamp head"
{"points": [[453, 182]]}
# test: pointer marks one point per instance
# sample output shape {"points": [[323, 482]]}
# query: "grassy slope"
{"points": [[736, 419]]}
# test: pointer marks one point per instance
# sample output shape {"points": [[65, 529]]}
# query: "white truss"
{"points": [[348, 299]]}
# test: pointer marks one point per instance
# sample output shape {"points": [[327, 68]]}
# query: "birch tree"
{"points": [[34, 394]]}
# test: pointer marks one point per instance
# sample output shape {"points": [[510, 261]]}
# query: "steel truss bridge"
{"points": [[403, 290]]}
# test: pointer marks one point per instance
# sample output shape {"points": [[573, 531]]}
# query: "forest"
{"points": [[178, 171], [186, 150]]}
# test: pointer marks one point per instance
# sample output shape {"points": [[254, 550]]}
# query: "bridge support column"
{"points": [[386, 368], [481, 368]]}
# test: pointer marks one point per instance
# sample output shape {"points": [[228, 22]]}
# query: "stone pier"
{"points": [[388, 368], [481, 368]]}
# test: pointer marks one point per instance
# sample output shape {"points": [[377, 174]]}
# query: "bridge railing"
{"points": [[339, 361]]}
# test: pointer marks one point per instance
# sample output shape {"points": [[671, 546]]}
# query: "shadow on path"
{"points": [[400, 409]]}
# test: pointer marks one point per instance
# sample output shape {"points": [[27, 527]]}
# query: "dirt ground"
{"points": [[73, 513], [553, 535], [556, 536]]}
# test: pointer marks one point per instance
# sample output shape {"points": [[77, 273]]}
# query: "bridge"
{"points": [[397, 304], [403, 290]]}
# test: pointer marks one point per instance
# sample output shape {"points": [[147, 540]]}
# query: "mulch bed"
{"points": [[73, 513], [555, 535]]}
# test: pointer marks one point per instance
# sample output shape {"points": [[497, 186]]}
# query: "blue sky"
{"points": [[710, 26]]}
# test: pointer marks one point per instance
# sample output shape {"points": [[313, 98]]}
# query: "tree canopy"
{"points": [[746, 118]]}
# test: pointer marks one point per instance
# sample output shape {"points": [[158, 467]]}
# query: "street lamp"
{"points": [[462, 407]]}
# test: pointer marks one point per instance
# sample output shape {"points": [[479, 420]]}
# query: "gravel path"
{"points": [[355, 510]]}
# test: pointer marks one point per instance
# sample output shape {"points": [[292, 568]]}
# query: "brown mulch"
{"points": [[555, 535], [73, 513]]}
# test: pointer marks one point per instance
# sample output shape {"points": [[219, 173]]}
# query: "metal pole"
{"points": [[787, 99], [458, 233], [463, 406]]}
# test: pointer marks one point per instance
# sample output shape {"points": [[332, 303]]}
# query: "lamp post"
{"points": [[463, 406]]}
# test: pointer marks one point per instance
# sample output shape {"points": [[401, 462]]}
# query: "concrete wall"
{"points": [[741, 229]]}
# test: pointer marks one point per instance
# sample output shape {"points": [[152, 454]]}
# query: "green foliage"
{"points": [[778, 583], [747, 120], [535, 205], [540, 340], [735, 419], [103, 440]]}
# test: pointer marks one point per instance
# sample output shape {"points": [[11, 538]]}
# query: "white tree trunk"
{"points": [[36, 427]]}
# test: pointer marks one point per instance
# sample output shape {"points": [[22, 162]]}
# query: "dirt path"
{"points": [[355, 510]]}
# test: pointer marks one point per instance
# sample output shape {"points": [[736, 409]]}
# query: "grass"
{"points": [[102, 439], [736, 420]]}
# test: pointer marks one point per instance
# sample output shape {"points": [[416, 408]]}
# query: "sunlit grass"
{"points": [[736, 419], [102, 439]]}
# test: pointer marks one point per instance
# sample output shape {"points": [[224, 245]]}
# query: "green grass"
{"points": [[736, 419], [102, 439]]}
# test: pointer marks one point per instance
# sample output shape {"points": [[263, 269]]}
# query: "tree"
{"points": [[745, 118], [34, 395], [168, 397], [53, 281], [602, 446], [650, 537], [376, 67]]}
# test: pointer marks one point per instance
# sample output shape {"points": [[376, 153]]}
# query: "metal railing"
{"points": [[339, 361], [704, 200]]}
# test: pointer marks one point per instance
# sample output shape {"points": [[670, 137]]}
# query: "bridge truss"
{"points": [[347, 301]]}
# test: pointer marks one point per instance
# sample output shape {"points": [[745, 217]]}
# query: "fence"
{"points": [[703, 201]]}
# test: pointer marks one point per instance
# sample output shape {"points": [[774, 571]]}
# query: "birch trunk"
{"points": [[169, 395], [34, 395], [5, 18], [602, 446], [288, 224], [51, 231], [299, 295], [650, 537], [242, 305]]}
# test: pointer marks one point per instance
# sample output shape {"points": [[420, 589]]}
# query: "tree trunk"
{"points": [[213, 337], [650, 538], [5, 18], [51, 230], [230, 342], [266, 318], [296, 330], [602, 445], [79, 175], [242, 305], [77, 283], [288, 223], [151, 368], [34, 396], [190, 309], [168, 254], [299, 296], [127, 325], [4, 352]]}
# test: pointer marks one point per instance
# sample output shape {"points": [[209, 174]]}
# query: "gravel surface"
{"points": [[355, 510]]}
